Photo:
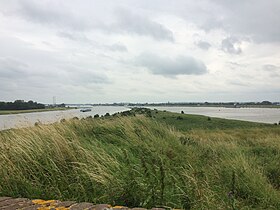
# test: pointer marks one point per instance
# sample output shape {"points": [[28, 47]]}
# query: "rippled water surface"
{"points": [[265, 115], [28, 119]]}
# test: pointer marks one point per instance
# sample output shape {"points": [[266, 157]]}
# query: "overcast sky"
{"points": [[89, 51]]}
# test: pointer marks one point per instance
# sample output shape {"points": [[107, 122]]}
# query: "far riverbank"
{"points": [[6, 112]]}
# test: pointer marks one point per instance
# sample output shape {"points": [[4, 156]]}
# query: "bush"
{"points": [[37, 123], [126, 113], [107, 114], [96, 116], [179, 118], [182, 112], [149, 113], [209, 118]]}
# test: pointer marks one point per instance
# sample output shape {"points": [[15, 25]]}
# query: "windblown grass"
{"points": [[141, 161]]}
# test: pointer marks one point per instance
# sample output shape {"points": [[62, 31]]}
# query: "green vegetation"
{"points": [[145, 158], [20, 105], [3, 112], [186, 122]]}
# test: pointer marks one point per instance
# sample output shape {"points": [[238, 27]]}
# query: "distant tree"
{"points": [[20, 105], [61, 105], [266, 103]]}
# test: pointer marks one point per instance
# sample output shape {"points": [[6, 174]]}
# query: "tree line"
{"points": [[21, 105]]}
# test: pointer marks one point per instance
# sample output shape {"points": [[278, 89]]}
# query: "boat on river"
{"points": [[85, 110]]}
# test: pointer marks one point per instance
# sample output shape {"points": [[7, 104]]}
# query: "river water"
{"points": [[264, 115], [29, 119]]}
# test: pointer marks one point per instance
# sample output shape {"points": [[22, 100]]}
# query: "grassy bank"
{"points": [[146, 158], [5, 112]]}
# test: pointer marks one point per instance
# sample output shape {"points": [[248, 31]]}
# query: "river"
{"points": [[263, 115], [29, 119]]}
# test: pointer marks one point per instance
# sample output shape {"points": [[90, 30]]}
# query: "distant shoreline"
{"points": [[221, 106], [7, 112]]}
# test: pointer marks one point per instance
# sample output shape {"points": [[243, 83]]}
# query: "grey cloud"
{"points": [[36, 69], [203, 45], [231, 45], [256, 19], [211, 23], [118, 47], [270, 67], [273, 70], [84, 76], [94, 37], [67, 35], [236, 66], [40, 12], [140, 25], [80, 37], [239, 83], [11, 68], [73, 36], [59, 16], [181, 65]]}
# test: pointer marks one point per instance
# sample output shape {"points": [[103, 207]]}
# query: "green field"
{"points": [[145, 158], [4, 112]]}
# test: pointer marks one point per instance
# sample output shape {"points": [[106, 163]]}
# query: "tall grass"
{"points": [[138, 161]]}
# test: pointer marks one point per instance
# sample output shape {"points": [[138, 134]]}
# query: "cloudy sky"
{"points": [[139, 50]]}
